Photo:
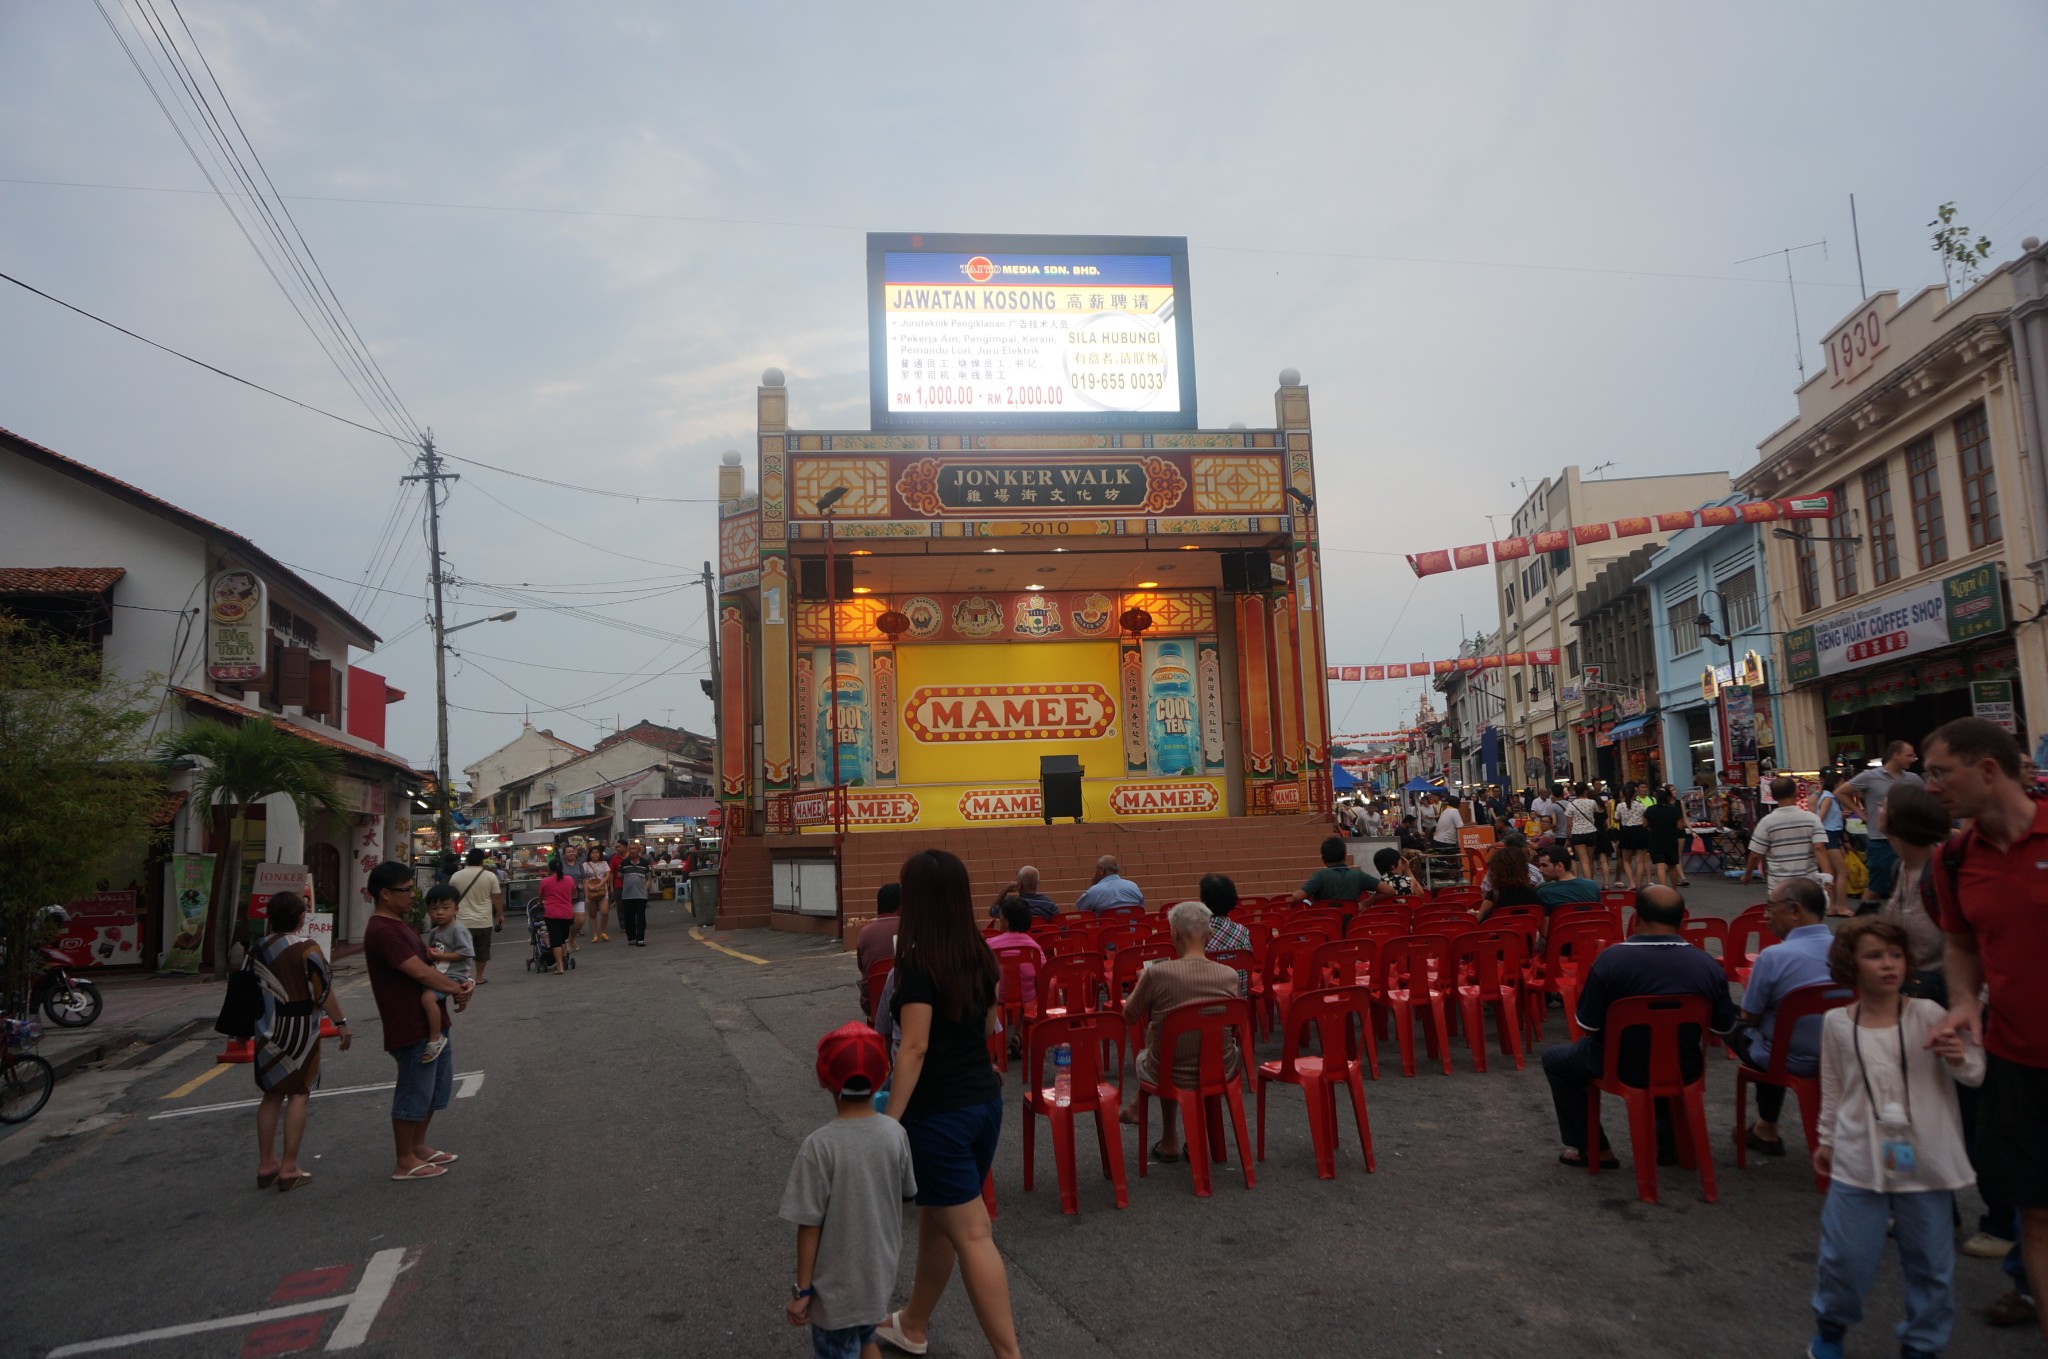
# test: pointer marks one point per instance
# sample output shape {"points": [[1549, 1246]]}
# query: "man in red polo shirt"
{"points": [[1991, 881]]}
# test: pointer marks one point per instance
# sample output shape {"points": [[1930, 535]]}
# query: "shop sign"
{"points": [[274, 878], [569, 805], [1992, 701], [1178, 799], [104, 930], [236, 614], [320, 929], [1009, 712], [1932, 614]]}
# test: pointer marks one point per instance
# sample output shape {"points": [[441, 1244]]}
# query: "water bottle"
{"points": [[1062, 1076], [1171, 730]]}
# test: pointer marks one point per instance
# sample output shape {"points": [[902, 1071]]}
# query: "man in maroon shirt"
{"points": [[1991, 881], [399, 971]]}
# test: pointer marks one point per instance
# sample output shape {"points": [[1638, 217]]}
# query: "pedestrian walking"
{"points": [[632, 880], [480, 908], [949, 1099], [399, 972], [296, 987], [560, 902]]}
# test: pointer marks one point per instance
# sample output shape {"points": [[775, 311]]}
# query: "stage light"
{"points": [[1191, 547], [1034, 586], [863, 589], [992, 549], [860, 552], [1148, 585]]}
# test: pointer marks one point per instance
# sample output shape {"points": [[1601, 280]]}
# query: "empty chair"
{"points": [[1737, 953], [1488, 967], [1113, 937], [1087, 1037], [1329, 1014], [1316, 917], [1667, 1019], [1415, 975], [1201, 1104], [1286, 961], [1073, 983], [1618, 897], [1704, 930], [1803, 1003]]}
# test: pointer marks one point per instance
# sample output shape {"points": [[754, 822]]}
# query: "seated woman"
{"points": [[1219, 894], [1016, 914], [1163, 987], [1392, 866], [1511, 880]]}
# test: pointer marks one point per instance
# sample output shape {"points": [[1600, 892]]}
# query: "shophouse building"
{"points": [[1618, 674], [1472, 711]]}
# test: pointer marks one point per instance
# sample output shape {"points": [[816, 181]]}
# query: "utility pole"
{"points": [[430, 472], [712, 685]]}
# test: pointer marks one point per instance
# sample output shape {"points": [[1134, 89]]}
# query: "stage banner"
{"points": [[855, 732], [191, 888]]}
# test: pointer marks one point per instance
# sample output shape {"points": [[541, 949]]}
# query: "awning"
{"points": [[669, 808], [1633, 727]]}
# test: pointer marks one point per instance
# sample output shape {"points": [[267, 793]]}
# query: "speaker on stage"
{"points": [[1059, 786], [1248, 572], [810, 578]]}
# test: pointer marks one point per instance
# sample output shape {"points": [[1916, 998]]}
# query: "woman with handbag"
{"points": [[296, 986]]}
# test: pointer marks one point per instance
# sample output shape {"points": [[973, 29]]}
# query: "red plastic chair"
{"points": [[1132, 911], [1621, 898], [871, 985], [1113, 937], [1705, 930], [1244, 961], [1087, 1038], [1329, 1013], [1441, 920], [1127, 962], [1286, 959], [1377, 927], [1415, 974], [1666, 1018], [1488, 967], [1803, 1003], [1597, 910], [1737, 957], [1073, 983], [1323, 917], [1018, 1012], [1202, 1107], [1568, 951], [1354, 962]]}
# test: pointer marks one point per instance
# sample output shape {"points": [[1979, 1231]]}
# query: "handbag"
{"points": [[243, 1004]]}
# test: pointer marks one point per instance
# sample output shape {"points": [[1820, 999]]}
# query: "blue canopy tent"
{"points": [[1342, 779], [1422, 785]]}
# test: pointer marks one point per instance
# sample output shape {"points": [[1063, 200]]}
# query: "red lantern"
{"points": [[1135, 620], [892, 623]]}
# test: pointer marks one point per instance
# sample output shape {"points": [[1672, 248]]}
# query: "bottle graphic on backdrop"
{"points": [[855, 739], [1172, 723]]}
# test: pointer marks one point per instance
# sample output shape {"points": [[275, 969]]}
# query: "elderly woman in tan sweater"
{"points": [[1165, 986]]}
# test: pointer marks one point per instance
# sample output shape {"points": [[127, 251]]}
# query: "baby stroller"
{"points": [[540, 957]]}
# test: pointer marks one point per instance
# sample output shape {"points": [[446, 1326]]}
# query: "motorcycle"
{"points": [[70, 1001]]}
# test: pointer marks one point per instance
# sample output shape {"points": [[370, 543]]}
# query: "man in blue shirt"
{"points": [[1561, 881], [1796, 913], [1656, 961], [1111, 888]]}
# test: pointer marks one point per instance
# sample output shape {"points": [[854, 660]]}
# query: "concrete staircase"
{"points": [[1261, 854]]}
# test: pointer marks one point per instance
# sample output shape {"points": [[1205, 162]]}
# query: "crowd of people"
{"points": [[1934, 1073]]}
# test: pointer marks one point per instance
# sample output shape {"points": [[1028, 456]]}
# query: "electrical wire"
{"points": [[303, 405], [587, 490], [571, 538]]}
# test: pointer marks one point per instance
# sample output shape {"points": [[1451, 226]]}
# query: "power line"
{"points": [[587, 490], [383, 433], [559, 534]]}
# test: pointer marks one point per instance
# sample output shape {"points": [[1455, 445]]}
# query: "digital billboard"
{"points": [[1025, 332]]}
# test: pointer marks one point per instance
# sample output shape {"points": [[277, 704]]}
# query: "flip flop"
{"points": [[1163, 1156], [443, 1158], [265, 1181], [285, 1186], [1608, 1160], [891, 1334], [425, 1170]]}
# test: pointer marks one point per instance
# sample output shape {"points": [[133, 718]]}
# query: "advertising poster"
{"points": [[105, 930], [1029, 330], [274, 878], [1741, 708], [1173, 739], [1992, 701], [191, 881], [236, 619], [855, 735]]}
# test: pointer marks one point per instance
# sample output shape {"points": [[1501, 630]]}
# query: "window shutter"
{"points": [[294, 683], [320, 692]]}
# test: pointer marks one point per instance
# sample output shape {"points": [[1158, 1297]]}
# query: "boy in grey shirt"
{"points": [[846, 1194], [453, 952]]}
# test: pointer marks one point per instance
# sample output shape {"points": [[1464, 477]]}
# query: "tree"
{"points": [[243, 765], [77, 791], [1960, 256]]}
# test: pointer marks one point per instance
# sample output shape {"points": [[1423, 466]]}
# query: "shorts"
{"points": [[1834, 839], [1635, 837], [558, 932], [1587, 840], [2012, 1125], [480, 940], [952, 1152], [1664, 852], [1883, 862], [422, 1089], [844, 1343]]}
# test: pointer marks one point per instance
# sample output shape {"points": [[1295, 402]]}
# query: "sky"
{"points": [[1494, 239]]}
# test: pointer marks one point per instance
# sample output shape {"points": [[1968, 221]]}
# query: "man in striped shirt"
{"points": [[1783, 843]]}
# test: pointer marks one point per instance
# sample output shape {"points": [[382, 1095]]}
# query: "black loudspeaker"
{"points": [[1059, 786], [1248, 572], [810, 578]]}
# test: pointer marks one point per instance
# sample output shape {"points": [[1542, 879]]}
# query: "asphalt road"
{"points": [[624, 1153]]}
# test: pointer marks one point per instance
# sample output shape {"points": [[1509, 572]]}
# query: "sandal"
{"points": [[285, 1186], [423, 1171], [1577, 1161], [1160, 1153], [1759, 1144], [443, 1158], [890, 1333]]}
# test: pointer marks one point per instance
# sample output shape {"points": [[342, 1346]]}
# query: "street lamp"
{"points": [[504, 617], [444, 824]]}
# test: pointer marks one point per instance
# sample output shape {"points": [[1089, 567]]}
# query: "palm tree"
{"points": [[243, 765]]}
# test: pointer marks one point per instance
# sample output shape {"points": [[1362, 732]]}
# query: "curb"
{"points": [[119, 1041]]}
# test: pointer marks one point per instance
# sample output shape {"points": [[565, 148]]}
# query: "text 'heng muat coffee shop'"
{"points": [[1034, 613]]}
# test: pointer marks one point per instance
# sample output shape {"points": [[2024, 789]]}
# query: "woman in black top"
{"points": [[1664, 823], [948, 1097]]}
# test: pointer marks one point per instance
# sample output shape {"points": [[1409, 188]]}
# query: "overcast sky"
{"points": [[1494, 239]]}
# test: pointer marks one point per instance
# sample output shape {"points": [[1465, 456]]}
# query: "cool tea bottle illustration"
{"points": [[855, 738], [1172, 715]]}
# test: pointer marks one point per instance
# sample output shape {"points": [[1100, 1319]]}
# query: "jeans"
{"points": [[633, 918], [1572, 1068], [422, 1089], [844, 1343], [1852, 1231], [1883, 862]]}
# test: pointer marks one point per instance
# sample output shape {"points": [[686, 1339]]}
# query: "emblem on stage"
{"points": [[1036, 617], [977, 617], [926, 617], [1093, 616]]}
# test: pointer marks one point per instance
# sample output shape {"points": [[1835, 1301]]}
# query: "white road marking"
{"points": [[467, 1083], [363, 1306]]}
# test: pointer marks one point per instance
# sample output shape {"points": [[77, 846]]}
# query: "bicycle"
{"points": [[26, 1080]]}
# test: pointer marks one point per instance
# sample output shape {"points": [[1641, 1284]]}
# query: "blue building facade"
{"points": [[1719, 571]]}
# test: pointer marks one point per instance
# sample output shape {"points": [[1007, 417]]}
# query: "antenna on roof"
{"points": [[1595, 472], [1798, 344]]}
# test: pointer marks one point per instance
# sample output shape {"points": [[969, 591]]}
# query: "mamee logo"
{"points": [[979, 269], [1162, 799], [1009, 712], [1001, 804]]}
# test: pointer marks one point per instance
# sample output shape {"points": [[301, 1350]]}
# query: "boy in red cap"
{"points": [[846, 1195]]}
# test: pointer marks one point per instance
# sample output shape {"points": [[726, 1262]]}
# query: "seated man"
{"points": [[1163, 987], [1561, 881], [1656, 961], [1017, 934], [1410, 837], [1393, 871], [1337, 880], [877, 938], [1110, 888], [1042, 906], [1797, 914]]}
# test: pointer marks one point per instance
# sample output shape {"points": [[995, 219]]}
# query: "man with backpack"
{"points": [[1991, 886]]}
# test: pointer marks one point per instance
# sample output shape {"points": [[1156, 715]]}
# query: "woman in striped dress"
{"points": [[296, 987]]}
